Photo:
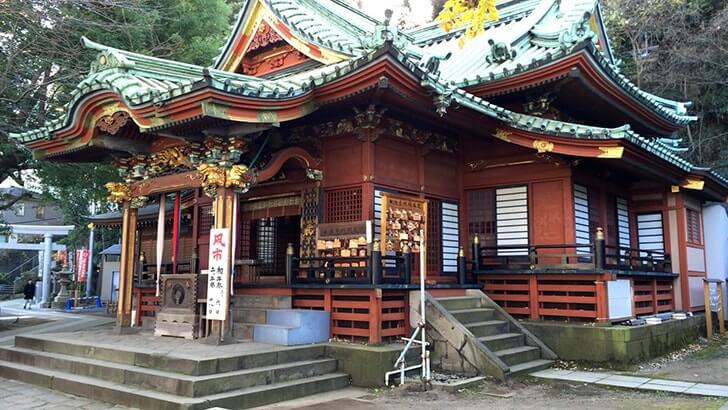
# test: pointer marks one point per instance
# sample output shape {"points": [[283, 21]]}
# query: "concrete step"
{"points": [[172, 383], [263, 301], [466, 316], [135, 397], [517, 355], [249, 315], [488, 328], [174, 364], [503, 341], [289, 327], [523, 369], [459, 302], [243, 331]]}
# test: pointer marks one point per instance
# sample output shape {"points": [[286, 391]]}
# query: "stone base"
{"points": [[176, 323], [617, 345], [125, 330]]}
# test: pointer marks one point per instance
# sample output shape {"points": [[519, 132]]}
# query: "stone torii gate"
{"points": [[48, 232]]}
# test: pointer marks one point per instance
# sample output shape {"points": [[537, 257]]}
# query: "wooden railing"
{"points": [[374, 269], [594, 256]]}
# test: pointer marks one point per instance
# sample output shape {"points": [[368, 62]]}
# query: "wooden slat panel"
{"points": [[392, 304], [508, 297], [500, 286], [568, 313], [350, 304], [392, 316], [566, 288], [394, 331], [354, 317], [643, 298], [517, 310], [567, 299], [349, 331], [299, 303]]}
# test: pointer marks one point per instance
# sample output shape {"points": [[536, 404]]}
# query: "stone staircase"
{"points": [[497, 344], [251, 310], [156, 380]]}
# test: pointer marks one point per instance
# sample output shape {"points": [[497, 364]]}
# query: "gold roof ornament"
{"points": [[611, 152], [118, 192], [543, 146]]}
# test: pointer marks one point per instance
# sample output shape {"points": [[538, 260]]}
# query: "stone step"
{"points": [[503, 341], [516, 355], [466, 316], [243, 331], [523, 369], [289, 327], [488, 328], [173, 383], [174, 364], [263, 301], [249, 315], [135, 397], [459, 302]]}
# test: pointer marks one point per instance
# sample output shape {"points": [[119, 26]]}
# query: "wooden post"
{"points": [[533, 305], [721, 314], [708, 315], [602, 300], [223, 218], [476, 253], [462, 267], [375, 316], [289, 264], [375, 266], [126, 270], [407, 255], [599, 257]]}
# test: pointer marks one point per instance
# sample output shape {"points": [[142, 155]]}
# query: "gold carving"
{"points": [[502, 135], [696, 184], [611, 152], [674, 189], [173, 157], [118, 192], [214, 177], [543, 146]]}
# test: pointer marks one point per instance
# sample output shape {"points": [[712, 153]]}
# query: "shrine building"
{"points": [[325, 143]]}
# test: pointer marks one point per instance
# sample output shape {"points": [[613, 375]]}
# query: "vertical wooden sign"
{"points": [[218, 279]]}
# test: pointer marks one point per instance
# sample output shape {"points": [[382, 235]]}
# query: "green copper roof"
{"points": [[534, 33]]}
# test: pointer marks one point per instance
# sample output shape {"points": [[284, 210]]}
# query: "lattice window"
{"points": [[434, 236], [481, 216], [205, 219], [344, 205], [266, 242], [693, 228]]}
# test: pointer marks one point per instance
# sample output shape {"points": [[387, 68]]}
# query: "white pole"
{"points": [[89, 269], [423, 322], [48, 245], [160, 239]]}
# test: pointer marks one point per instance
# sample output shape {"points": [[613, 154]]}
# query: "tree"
{"points": [[679, 49], [470, 14], [42, 60]]}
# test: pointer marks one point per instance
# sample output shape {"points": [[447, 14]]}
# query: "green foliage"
{"points": [[678, 49], [42, 60]]}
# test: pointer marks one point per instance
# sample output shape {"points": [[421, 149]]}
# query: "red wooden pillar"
{"points": [[533, 305], [654, 295], [601, 299], [328, 308], [375, 316]]}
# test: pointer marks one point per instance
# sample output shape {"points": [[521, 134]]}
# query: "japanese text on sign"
{"points": [[218, 274]]}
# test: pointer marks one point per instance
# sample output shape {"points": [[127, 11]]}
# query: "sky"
{"points": [[413, 12]]}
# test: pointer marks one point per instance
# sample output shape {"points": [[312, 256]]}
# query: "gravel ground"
{"points": [[527, 394], [704, 362]]}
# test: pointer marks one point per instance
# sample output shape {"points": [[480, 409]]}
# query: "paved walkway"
{"points": [[633, 382], [17, 395], [59, 321]]}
